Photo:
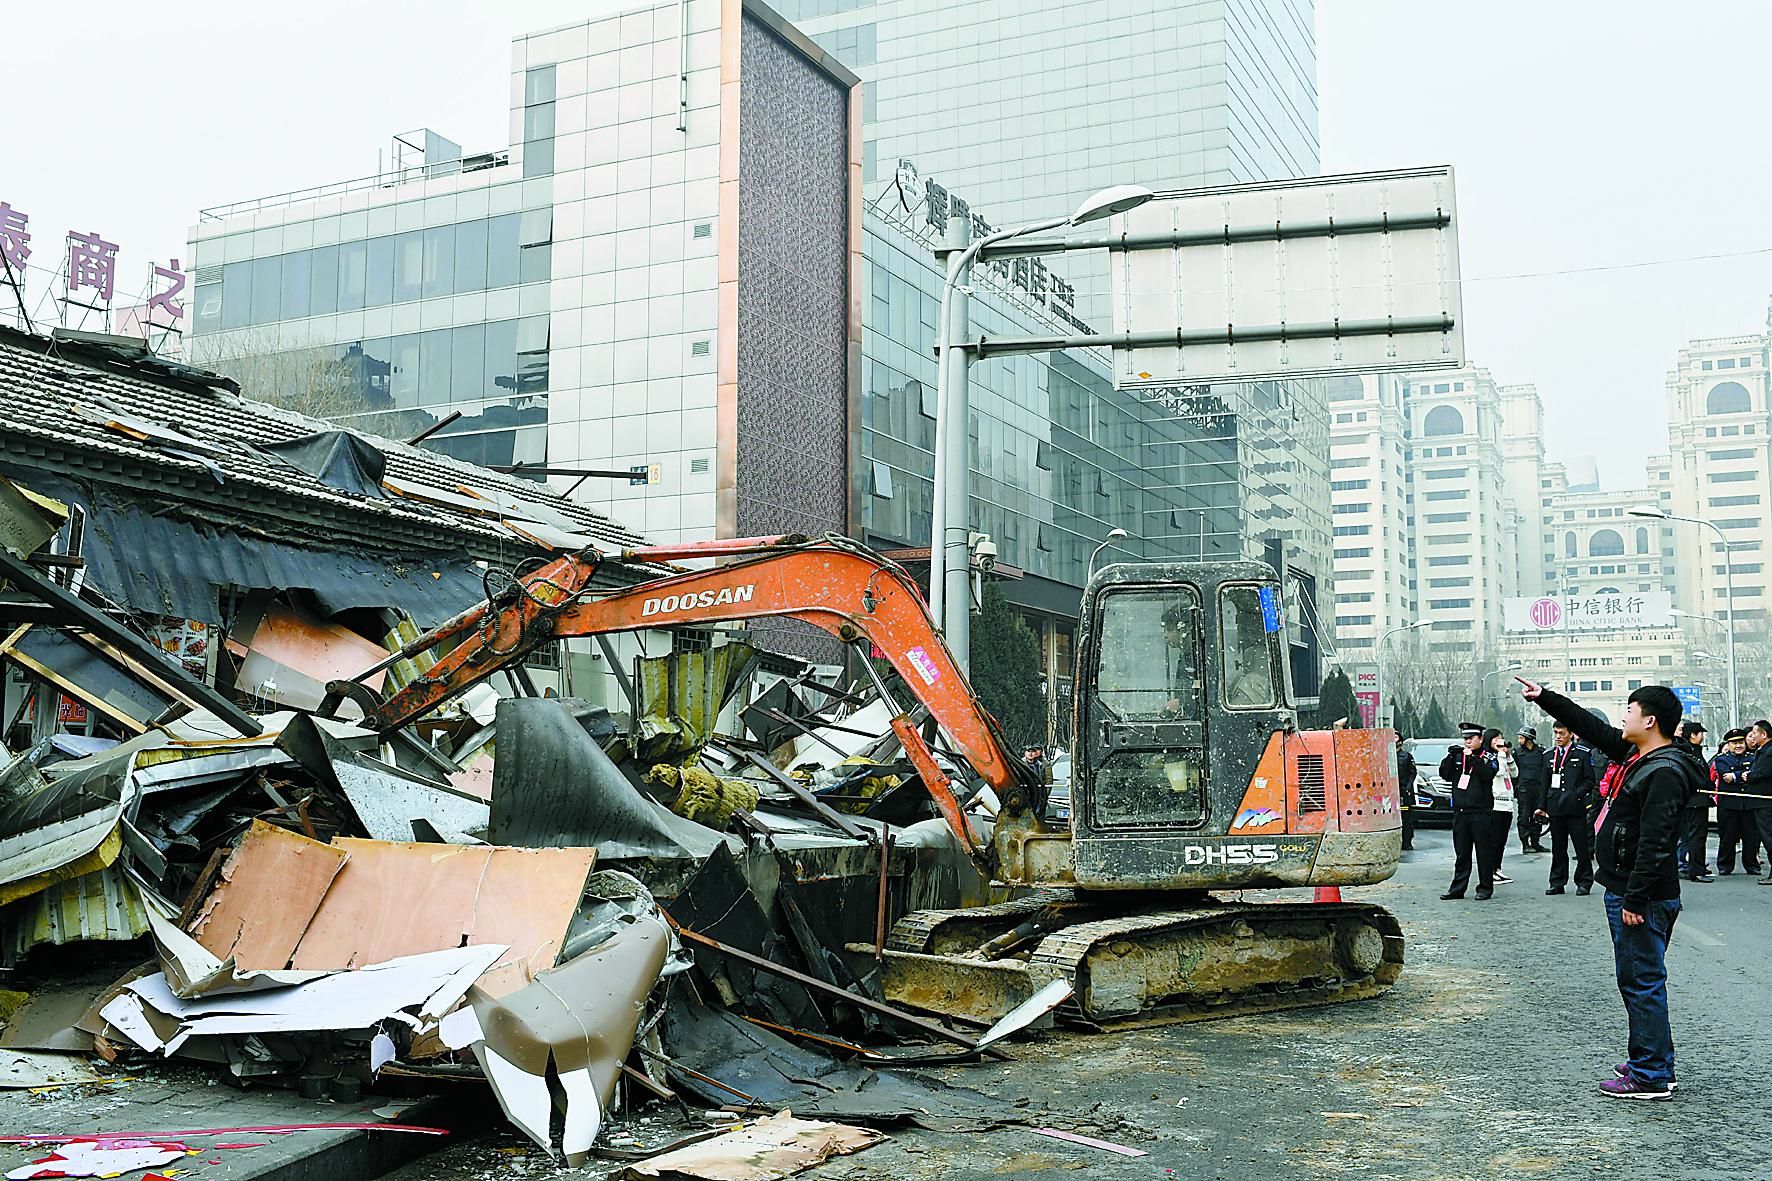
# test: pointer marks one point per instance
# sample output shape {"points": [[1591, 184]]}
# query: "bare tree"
{"points": [[309, 381]]}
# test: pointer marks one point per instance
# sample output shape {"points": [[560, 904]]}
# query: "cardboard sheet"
{"points": [[269, 888], [400, 899]]}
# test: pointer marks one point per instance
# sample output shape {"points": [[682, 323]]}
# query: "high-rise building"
{"points": [[1369, 488], [673, 270], [1522, 468], [1719, 427], [1029, 106], [1467, 529]]}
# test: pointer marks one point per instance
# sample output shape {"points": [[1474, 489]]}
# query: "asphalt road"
{"points": [[1480, 1063]]}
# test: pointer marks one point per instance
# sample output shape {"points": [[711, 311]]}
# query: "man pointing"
{"points": [[1636, 839]]}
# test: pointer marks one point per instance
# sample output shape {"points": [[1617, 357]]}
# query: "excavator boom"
{"points": [[832, 583]]}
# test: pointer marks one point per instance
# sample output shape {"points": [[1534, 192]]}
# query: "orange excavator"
{"points": [[1189, 775]]}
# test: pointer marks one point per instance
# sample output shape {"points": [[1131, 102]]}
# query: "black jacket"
{"points": [[1758, 783], [1730, 795], [1577, 783], [1697, 798], [1534, 778], [1406, 773], [1639, 833], [1479, 796]]}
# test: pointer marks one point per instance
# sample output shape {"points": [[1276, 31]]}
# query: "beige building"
{"points": [[1719, 425], [1467, 528], [1368, 483]]}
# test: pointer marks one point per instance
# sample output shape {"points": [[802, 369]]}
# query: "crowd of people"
{"points": [[1630, 807], [1501, 789]]}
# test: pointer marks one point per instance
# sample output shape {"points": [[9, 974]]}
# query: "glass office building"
{"points": [[1029, 106], [627, 286]]}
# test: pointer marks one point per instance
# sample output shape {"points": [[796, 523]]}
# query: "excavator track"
{"points": [[1160, 966]]}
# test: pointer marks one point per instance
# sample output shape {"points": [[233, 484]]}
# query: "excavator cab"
{"points": [[1187, 770]]}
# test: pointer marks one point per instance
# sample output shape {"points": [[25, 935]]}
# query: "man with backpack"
{"points": [[1636, 842]]}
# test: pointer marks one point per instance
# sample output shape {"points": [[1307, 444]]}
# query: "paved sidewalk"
{"points": [[173, 1097]]}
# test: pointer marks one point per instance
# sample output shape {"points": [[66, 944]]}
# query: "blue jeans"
{"points": [[1640, 953]]}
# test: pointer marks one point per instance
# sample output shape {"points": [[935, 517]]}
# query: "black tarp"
{"points": [[783, 1076], [338, 459], [160, 564], [552, 786]]}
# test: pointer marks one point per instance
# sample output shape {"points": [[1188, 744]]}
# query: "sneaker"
{"points": [[1622, 1070], [1701, 878], [1630, 1088], [1767, 880], [1501, 879], [1554, 890]]}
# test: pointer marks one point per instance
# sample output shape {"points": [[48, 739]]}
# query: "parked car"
{"points": [[1058, 795], [1433, 795]]}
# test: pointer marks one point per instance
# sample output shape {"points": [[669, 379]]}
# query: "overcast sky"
{"points": [[1585, 134]]}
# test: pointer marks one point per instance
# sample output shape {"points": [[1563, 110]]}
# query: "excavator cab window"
{"points": [[1145, 711], [1249, 626]]}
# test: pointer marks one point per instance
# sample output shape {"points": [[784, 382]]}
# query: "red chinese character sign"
{"points": [[1619, 611], [1368, 700], [87, 281]]}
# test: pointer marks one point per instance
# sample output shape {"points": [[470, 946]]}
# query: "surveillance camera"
{"points": [[985, 551]]}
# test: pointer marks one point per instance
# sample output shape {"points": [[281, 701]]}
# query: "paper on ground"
{"points": [[779, 1146], [357, 999]]}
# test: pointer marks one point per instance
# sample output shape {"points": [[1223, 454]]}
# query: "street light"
{"points": [[1482, 684], [1407, 627], [1114, 535], [949, 563], [1656, 513]]}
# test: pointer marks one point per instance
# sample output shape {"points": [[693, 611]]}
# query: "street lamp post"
{"points": [[950, 565], [1115, 534], [1407, 627], [1654, 513]]}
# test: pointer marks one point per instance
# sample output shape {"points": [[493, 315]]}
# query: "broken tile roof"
{"points": [[93, 407]]}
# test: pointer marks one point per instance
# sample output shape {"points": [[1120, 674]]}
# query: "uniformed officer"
{"points": [[1473, 801], [1565, 809]]}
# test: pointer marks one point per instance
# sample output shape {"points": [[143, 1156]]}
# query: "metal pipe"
{"points": [[1224, 236], [705, 549], [1229, 335], [434, 428]]}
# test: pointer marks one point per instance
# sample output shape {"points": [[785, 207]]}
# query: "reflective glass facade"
{"points": [[1060, 457], [442, 260]]}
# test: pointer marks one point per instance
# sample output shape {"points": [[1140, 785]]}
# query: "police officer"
{"points": [[1565, 810], [1695, 815], [1757, 786], [1735, 819], [1406, 773], [1534, 781], [1472, 777]]}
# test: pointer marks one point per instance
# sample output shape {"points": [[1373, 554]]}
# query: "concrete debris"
{"points": [[275, 885], [779, 1146]]}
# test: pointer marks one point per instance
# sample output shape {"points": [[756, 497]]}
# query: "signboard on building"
{"points": [[1297, 278], [1584, 613], [1368, 708], [1691, 699]]}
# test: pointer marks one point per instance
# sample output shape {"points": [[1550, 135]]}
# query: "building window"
{"points": [[1348, 485], [1443, 420], [1352, 530], [1356, 552], [1732, 501], [1448, 473], [1726, 363], [1447, 583], [1450, 560], [1732, 453], [1350, 461], [1732, 477], [1728, 397], [1359, 597], [1643, 544], [538, 121], [1353, 620], [1358, 507], [1448, 494], [1605, 543], [1447, 518], [1448, 603]]}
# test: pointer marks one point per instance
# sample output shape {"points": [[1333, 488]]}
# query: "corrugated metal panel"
{"points": [[102, 905]]}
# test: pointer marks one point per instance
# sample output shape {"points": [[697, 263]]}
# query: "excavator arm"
{"points": [[832, 583]]}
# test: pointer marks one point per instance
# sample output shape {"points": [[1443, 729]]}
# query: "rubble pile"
{"points": [[590, 910]]}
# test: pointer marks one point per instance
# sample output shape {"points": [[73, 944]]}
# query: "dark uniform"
{"points": [[1406, 773], [1566, 804], [1757, 786], [1530, 788], [1473, 801], [1735, 817], [1695, 814]]}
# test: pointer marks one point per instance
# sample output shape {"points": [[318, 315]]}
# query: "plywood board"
{"points": [[404, 898], [268, 890]]}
